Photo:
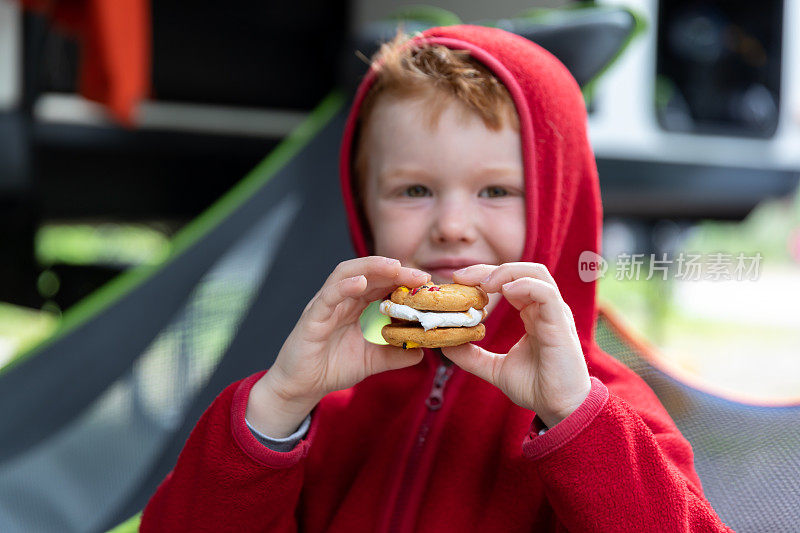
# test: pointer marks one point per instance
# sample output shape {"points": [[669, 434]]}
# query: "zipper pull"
{"points": [[436, 397]]}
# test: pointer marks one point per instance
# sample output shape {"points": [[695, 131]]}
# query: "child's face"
{"points": [[442, 199]]}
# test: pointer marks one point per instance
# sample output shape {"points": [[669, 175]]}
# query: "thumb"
{"points": [[383, 357], [475, 360]]}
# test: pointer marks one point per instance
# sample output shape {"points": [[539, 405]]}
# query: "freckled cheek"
{"points": [[504, 230], [398, 235]]}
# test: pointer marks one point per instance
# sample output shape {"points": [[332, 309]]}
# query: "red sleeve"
{"points": [[605, 468], [224, 477]]}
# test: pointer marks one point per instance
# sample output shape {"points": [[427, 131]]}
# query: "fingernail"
{"points": [[460, 271], [419, 273], [506, 286]]}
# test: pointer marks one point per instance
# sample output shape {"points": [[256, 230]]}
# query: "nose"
{"points": [[453, 222]]}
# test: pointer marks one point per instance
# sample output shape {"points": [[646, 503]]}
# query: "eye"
{"points": [[493, 191], [417, 191]]}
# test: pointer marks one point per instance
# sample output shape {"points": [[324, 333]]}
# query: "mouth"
{"points": [[442, 269]]}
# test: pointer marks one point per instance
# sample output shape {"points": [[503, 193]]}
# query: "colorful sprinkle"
{"points": [[415, 291], [434, 288], [403, 289]]}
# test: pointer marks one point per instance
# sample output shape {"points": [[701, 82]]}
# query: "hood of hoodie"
{"points": [[563, 208]]}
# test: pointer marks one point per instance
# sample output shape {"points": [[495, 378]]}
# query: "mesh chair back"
{"points": [[747, 456]]}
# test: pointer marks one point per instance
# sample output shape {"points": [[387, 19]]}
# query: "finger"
{"points": [[476, 360], [381, 273], [525, 291], [360, 265], [571, 319], [376, 267], [473, 275], [378, 287], [514, 271], [324, 304], [383, 357]]}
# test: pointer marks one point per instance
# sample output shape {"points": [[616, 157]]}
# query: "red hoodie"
{"points": [[377, 458]]}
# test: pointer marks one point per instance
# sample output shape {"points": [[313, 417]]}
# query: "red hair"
{"points": [[439, 76]]}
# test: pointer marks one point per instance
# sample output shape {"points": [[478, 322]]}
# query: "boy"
{"points": [[464, 158]]}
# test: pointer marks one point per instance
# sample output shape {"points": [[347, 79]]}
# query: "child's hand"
{"points": [[326, 350], [545, 371]]}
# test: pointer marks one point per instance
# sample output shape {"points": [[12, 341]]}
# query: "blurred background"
{"points": [[127, 129], [696, 130]]}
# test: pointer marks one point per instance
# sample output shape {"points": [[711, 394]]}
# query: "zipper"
{"points": [[436, 396], [433, 402]]}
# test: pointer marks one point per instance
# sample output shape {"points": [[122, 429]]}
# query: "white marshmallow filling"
{"points": [[429, 319]]}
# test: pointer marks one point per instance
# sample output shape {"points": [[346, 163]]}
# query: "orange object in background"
{"points": [[115, 40]]}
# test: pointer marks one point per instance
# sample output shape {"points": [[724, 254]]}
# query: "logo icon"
{"points": [[591, 266]]}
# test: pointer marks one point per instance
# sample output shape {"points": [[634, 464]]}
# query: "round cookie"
{"points": [[409, 337], [448, 297]]}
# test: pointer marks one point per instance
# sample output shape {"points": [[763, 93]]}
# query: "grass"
{"points": [[105, 243], [740, 352], [21, 328]]}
